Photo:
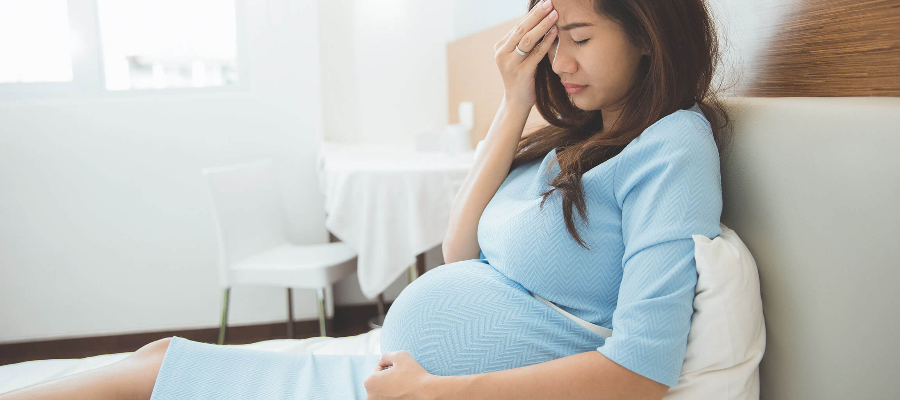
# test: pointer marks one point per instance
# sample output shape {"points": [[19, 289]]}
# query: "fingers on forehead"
{"points": [[537, 13], [530, 21]]}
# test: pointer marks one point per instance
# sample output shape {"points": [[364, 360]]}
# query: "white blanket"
{"points": [[28, 373]]}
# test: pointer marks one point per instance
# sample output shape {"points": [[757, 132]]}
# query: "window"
{"points": [[34, 41], [154, 44], [73, 48]]}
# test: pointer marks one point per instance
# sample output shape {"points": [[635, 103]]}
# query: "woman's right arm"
{"points": [[533, 35], [488, 172]]}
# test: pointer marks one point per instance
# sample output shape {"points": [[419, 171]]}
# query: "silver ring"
{"points": [[520, 51]]}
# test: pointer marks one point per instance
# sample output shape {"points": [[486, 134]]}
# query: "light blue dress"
{"points": [[637, 278]]}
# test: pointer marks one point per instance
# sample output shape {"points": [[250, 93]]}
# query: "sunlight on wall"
{"points": [[168, 43], [34, 41]]}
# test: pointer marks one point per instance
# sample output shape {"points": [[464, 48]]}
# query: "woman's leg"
{"points": [[131, 378]]}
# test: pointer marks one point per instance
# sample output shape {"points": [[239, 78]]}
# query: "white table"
{"points": [[389, 202]]}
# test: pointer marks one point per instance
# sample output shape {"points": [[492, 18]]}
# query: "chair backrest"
{"points": [[248, 211]]}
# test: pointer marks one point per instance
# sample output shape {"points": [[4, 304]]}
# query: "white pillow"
{"points": [[728, 334]]}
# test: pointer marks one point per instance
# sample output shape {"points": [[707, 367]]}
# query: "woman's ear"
{"points": [[645, 49]]}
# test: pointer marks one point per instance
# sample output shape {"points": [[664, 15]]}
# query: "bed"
{"points": [[28, 373], [811, 185]]}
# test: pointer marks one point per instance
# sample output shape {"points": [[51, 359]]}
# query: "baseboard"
{"points": [[348, 321]]}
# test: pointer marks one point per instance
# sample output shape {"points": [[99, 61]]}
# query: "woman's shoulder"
{"points": [[682, 127], [686, 129], [681, 142]]}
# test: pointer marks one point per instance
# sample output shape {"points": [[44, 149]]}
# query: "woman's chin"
{"points": [[578, 100]]}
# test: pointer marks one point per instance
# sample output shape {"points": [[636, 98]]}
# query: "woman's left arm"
{"points": [[588, 375]]}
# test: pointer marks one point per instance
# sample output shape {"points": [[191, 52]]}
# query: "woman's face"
{"points": [[605, 60]]}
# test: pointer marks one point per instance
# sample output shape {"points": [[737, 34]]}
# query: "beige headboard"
{"points": [[473, 76], [812, 186]]}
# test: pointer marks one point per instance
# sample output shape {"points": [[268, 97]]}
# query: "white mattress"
{"points": [[28, 373]]}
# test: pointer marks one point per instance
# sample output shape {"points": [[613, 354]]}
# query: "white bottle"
{"points": [[467, 114], [457, 140]]}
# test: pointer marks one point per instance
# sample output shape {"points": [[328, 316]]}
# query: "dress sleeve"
{"points": [[668, 187]]}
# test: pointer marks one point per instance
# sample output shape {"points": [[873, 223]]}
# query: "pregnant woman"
{"points": [[591, 214]]}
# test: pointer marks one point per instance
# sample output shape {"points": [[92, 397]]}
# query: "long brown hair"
{"points": [[684, 53]]}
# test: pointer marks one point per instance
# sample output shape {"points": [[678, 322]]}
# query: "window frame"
{"points": [[88, 71]]}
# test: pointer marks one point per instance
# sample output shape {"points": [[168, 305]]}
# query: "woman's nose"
{"points": [[560, 61]]}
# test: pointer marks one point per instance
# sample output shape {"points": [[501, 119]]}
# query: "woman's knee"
{"points": [[153, 351], [138, 372]]}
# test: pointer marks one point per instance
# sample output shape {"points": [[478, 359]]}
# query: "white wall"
{"points": [[385, 68], [103, 222], [470, 16], [340, 83], [103, 219]]}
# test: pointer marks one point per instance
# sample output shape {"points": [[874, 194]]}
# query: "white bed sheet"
{"points": [[15, 376]]}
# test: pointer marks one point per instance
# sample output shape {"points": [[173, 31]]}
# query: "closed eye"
{"points": [[581, 43]]}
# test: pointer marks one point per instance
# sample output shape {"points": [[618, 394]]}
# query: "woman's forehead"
{"points": [[574, 8], [574, 14]]}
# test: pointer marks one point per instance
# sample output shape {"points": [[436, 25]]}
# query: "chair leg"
{"points": [[379, 302], [329, 301], [224, 324], [290, 327], [320, 303]]}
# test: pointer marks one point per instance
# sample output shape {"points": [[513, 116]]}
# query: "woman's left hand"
{"points": [[405, 380]]}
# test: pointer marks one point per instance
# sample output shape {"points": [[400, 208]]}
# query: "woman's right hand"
{"points": [[517, 70]]}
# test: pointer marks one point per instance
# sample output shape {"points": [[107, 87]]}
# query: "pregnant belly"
{"points": [[466, 318]]}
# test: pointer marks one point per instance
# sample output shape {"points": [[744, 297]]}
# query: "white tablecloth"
{"points": [[388, 202]]}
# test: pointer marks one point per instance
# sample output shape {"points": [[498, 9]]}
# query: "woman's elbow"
{"points": [[449, 256], [452, 254]]}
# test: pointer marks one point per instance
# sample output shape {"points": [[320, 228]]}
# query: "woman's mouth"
{"points": [[573, 89]]}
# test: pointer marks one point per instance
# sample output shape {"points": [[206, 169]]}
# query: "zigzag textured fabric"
{"points": [[637, 277], [192, 370]]}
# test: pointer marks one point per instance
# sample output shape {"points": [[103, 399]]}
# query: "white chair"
{"points": [[253, 245]]}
